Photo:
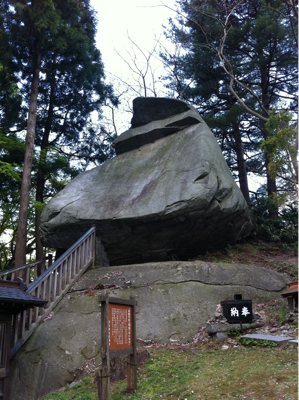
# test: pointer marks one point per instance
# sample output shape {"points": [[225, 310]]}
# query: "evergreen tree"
{"points": [[61, 80], [239, 52]]}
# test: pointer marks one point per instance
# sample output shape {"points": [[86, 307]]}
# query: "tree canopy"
{"points": [[239, 61], [58, 73]]}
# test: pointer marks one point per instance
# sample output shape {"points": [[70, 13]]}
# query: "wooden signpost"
{"points": [[118, 338]]}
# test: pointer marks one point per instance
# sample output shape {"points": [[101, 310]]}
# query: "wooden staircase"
{"points": [[51, 285]]}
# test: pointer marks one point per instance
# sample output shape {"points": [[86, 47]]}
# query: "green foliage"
{"points": [[282, 230], [279, 144], [253, 342], [259, 52], [11, 158], [191, 373], [71, 93], [39, 206], [84, 390], [235, 333], [8, 171], [282, 311], [290, 269]]}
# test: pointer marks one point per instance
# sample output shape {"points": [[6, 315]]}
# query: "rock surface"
{"points": [[174, 300], [172, 198], [148, 109]]}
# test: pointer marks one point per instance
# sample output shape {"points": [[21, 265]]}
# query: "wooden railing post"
{"points": [[94, 244]]}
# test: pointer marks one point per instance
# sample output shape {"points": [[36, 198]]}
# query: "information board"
{"points": [[120, 326], [118, 338]]}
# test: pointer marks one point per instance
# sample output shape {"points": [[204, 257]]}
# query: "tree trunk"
{"points": [[41, 176], [241, 163], [20, 254], [271, 183], [272, 192], [40, 198], [294, 155]]}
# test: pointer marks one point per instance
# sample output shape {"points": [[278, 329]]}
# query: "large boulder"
{"points": [[167, 194], [174, 300]]}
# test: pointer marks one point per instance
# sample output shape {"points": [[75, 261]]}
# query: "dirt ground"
{"points": [[269, 255]]}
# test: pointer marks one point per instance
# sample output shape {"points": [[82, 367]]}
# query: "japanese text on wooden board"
{"points": [[120, 326]]}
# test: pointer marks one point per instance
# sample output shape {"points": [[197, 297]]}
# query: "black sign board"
{"points": [[237, 310]]}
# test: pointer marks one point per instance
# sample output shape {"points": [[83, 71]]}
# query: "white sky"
{"points": [[143, 21]]}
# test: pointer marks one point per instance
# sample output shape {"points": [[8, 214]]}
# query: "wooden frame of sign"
{"points": [[118, 338]]}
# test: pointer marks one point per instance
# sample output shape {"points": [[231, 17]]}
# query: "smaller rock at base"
{"points": [[224, 347], [220, 337]]}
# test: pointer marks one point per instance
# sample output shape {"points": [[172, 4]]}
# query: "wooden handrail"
{"points": [[30, 269], [52, 284], [9, 271], [54, 266]]}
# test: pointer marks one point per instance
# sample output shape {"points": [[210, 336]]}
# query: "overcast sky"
{"points": [[142, 21]]}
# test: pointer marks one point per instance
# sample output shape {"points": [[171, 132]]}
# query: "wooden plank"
{"points": [[30, 314], [62, 275], [132, 374], [43, 290], [69, 269], [23, 320], [3, 374], [36, 309], [59, 286], [72, 269], [49, 289], [54, 294], [132, 359], [35, 314], [116, 300], [41, 310], [84, 251], [15, 329], [80, 250], [105, 349], [121, 352], [94, 247], [76, 260], [88, 248], [81, 261], [9, 271]]}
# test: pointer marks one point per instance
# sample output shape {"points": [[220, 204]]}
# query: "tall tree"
{"points": [[71, 89], [251, 41], [61, 79], [29, 24]]}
